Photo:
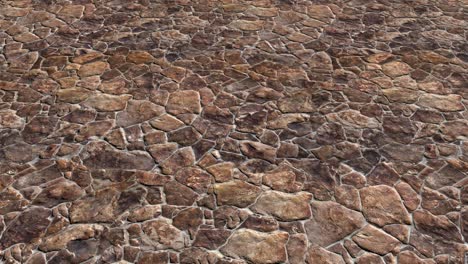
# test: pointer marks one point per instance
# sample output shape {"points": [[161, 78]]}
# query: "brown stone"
{"points": [[237, 193], [447, 103], [331, 222], [93, 68], [178, 194], [211, 238], [258, 150], [257, 247], [139, 57], [138, 111], [436, 226], [9, 119], [73, 95], [375, 240], [28, 227], [163, 235], [320, 255], [396, 68], [105, 102], [73, 232], [183, 157], [382, 205], [184, 102], [285, 207]]}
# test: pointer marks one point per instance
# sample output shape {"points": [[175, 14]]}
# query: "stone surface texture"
{"points": [[234, 131]]}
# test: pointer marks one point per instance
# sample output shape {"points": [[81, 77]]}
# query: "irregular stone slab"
{"points": [[106, 102], [447, 103], [319, 255], [396, 68], [183, 157], [163, 235], [184, 102], [402, 152], [258, 150], [382, 205], [9, 119], [178, 194], [257, 247], [139, 57], [284, 206], [28, 227], [93, 68], [138, 111], [211, 238], [331, 222], [375, 240], [73, 232], [101, 155], [237, 193], [436, 226], [58, 191], [353, 118]]}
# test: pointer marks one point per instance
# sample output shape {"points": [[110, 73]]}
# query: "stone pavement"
{"points": [[233, 131]]}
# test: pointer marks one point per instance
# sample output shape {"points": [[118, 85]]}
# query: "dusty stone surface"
{"points": [[235, 131]]}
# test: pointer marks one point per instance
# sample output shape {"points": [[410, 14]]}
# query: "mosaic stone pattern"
{"points": [[234, 131]]}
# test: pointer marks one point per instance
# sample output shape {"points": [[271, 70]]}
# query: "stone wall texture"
{"points": [[234, 131]]}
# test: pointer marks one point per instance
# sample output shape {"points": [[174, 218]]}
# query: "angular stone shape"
{"points": [[402, 152], [93, 68], [39, 128], [353, 118], [382, 205], [281, 179], [236, 192], [453, 130], [107, 103], [27, 228], [383, 173], [9, 119], [257, 247], [260, 223], [73, 95], [401, 95], [248, 25], [138, 111], [163, 235], [166, 123], [396, 68], [375, 240], [436, 226], [58, 191], [140, 57], [348, 196], [258, 150], [150, 257], [60, 240], [160, 152], [446, 103], [184, 102], [297, 103], [188, 219], [447, 176], [185, 136], [101, 155], [284, 206], [222, 172], [175, 73], [178, 194], [331, 222], [320, 62], [319, 255], [183, 157], [320, 12], [211, 238], [194, 178]]}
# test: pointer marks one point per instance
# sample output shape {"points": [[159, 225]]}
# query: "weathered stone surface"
{"points": [[233, 131], [236, 193], [28, 227], [375, 240], [382, 205], [100, 155], [138, 111], [105, 102], [184, 102], [73, 232], [256, 246], [320, 255], [163, 235], [285, 207], [331, 222]]}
